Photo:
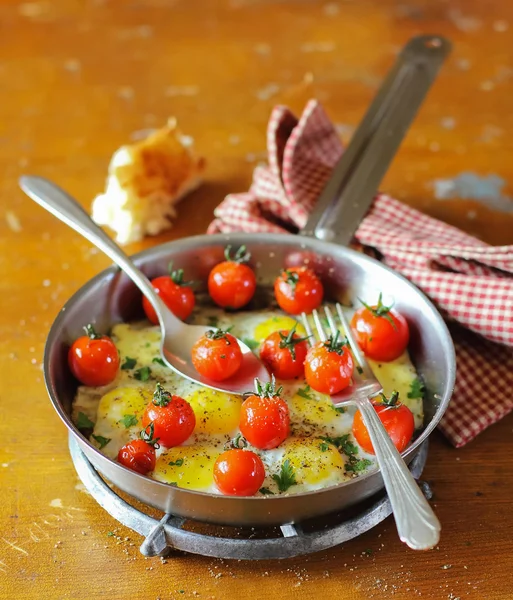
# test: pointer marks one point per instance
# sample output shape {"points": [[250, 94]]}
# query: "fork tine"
{"points": [[320, 329], [308, 329], [331, 321], [358, 354]]}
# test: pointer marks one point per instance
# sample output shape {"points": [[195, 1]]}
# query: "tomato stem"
{"points": [[147, 434], [161, 397], [292, 278], [393, 401], [380, 310], [218, 335], [177, 276], [241, 255], [268, 390], [333, 344], [289, 341], [91, 332]]}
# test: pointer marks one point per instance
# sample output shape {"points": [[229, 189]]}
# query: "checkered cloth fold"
{"points": [[470, 281]]}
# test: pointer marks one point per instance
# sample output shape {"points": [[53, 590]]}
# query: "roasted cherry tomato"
{"points": [[284, 353], [174, 292], [93, 358], [382, 333], [217, 355], [139, 455], [298, 290], [232, 283], [173, 418], [239, 473], [329, 366], [264, 417], [396, 418]]}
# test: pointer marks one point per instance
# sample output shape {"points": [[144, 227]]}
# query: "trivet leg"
{"points": [[155, 543]]}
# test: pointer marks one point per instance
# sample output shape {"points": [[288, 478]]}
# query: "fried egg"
{"points": [[313, 452]]}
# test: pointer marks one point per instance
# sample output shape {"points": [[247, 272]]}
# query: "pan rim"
{"points": [[238, 237]]}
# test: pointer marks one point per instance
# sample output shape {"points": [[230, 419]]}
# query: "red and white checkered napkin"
{"points": [[470, 281]]}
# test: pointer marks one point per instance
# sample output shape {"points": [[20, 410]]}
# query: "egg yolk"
{"points": [[189, 467], [216, 412], [264, 329], [313, 460], [318, 410], [119, 405]]}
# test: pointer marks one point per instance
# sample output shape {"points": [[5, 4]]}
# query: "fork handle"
{"points": [[416, 522]]}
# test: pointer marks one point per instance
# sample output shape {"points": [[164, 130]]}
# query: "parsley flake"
{"points": [[286, 478], [103, 441], [213, 321], [359, 369], [417, 389], [142, 374], [176, 463], [159, 361], [129, 363], [129, 420], [323, 446], [305, 393], [251, 344], [110, 534], [342, 443], [266, 491], [339, 409], [357, 466], [83, 421]]}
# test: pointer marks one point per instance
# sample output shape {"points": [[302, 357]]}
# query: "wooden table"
{"points": [[78, 79]]}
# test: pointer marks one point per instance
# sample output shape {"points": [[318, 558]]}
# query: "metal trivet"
{"points": [[292, 540]]}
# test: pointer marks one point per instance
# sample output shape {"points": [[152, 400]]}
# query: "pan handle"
{"points": [[349, 193]]}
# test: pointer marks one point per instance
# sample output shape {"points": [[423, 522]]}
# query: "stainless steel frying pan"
{"points": [[111, 297]]}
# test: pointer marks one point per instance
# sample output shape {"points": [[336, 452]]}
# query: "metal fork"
{"points": [[416, 522]]}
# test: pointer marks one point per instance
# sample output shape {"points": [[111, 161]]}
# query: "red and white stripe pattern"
{"points": [[470, 281]]}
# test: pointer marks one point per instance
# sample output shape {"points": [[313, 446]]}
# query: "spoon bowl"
{"points": [[178, 337]]}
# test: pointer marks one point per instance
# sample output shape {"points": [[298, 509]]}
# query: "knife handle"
{"points": [[349, 192]]}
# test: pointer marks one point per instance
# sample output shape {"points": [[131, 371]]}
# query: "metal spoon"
{"points": [[177, 337]]}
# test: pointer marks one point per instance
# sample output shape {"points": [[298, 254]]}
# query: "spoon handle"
{"points": [[67, 209]]}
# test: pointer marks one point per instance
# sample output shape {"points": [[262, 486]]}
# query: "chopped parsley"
{"points": [[129, 420], [176, 463], [103, 441], [323, 446], [416, 389], [159, 361], [266, 491], [305, 393], [359, 369], [286, 478], [83, 421], [251, 344], [129, 363], [142, 374], [356, 466], [110, 534], [342, 443], [339, 409]]}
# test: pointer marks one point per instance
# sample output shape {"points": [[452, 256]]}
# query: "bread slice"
{"points": [[145, 181]]}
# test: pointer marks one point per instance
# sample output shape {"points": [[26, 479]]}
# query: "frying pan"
{"points": [[111, 297]]}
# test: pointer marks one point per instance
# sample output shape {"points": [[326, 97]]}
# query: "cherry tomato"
{"points": [[138, 455], [239, 473], [264, 418], [329, 366], [217, 355], [174, 292], [232, 283], [93, 359], [396, 418], [383, 334], [298, 290], [172, 417], [284, 352]]}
